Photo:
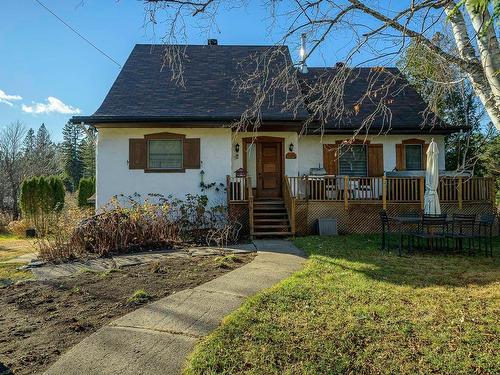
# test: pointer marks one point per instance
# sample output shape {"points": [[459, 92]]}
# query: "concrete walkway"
{"points": [[157, 338]]}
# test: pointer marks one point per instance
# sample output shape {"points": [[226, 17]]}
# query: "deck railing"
{"points": [[289, 201], [372, 189], [236, 188], [389, 189]]}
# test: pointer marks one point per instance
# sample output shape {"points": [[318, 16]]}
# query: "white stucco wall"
{"points": [[218, 159], [114, 177], [310, 150]]}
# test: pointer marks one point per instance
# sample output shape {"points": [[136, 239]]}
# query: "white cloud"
{"points": [[8, 99], [52, 105]]}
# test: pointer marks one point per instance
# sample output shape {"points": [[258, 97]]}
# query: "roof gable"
{"points": [[145, 87]]}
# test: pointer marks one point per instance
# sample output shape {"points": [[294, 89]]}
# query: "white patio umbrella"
{"points": [[431, 198]]}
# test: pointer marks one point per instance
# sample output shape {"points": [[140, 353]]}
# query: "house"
{"points": [[159, 136]]}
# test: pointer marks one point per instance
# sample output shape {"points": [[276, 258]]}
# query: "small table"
{"points": [[401, 220]]}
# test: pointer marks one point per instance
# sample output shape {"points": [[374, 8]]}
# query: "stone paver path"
{"points": [[157, 338], [53, 271]]}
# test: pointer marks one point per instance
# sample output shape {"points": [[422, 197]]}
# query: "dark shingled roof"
{"points": [[407, 108], [145, 92], [144, 89]]}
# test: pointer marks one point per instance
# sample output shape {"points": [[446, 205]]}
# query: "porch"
{"points": [[356, 201]]}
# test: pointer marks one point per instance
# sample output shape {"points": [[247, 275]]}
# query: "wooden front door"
{"points": [[269, 169]]}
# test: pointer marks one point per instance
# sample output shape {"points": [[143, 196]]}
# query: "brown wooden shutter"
{"points": [[375, 160], [192, 153], [137, 153], [425, 147], [330, 159], [400, 157]]}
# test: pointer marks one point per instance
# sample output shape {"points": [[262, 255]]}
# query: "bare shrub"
{"points": [[18, 227], [156, 222], [226, 230], [57, 244], [5, 219]]}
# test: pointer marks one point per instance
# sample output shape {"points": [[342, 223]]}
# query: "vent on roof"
{"points": [[303, 54], [212, 42]]}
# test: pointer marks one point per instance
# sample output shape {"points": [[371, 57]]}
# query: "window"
{"points": [[352, 160], [413, 157], [165, 154]]}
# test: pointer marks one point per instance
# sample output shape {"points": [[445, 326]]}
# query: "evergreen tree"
{"points": [[71, 152], [29, 142], [46, 152], [87, 152], [43, 140]]}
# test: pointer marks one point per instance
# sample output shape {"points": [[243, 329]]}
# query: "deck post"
{"points": [[422, 192], [384, 192], [250, 206], [460, 188], [493, 191], [346, 192], [228, 189], [307, 188]]}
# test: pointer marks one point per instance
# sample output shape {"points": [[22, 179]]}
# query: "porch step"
{"points": [[273, 226], [269, 220], [267, 202], [272, 234], [269, 214]]}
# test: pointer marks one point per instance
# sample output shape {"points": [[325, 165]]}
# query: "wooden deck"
{"points": [[356, 201]]}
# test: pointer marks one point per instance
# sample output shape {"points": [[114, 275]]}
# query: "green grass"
{"points": [[9, 271], [356, 310], [139, 297], [10, 248]]}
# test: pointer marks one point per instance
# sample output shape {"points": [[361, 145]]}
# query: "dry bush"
{"points": [[57, 244], [137, 225], [5, 219], [18, 227], [225, 232]]}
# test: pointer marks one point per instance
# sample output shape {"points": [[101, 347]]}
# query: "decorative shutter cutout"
{"points": [[330, 159], [137, 153], [192, 153], [375, 160], [400, 157]]}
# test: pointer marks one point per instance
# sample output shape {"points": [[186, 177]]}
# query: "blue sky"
{"points": [[47, 73]]}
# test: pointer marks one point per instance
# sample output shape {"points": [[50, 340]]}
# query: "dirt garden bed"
{"points": [[39, 321]]}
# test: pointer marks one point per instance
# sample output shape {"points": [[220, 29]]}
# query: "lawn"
{"points": [[354, 309], [10, 248]]}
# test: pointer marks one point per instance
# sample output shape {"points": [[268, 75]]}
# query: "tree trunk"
{"points": [[476, 74], [489, 50]]}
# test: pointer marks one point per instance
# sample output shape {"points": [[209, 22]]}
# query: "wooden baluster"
{"points": [[460, 186], [422, 191], [228, 189], [346, 192], [384, 192]]}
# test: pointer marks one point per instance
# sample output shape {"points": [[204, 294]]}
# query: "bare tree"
{"points": [[475, 54], [11, 162]]}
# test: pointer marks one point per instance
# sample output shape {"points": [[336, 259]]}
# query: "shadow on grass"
{"points": [[361, 254]]}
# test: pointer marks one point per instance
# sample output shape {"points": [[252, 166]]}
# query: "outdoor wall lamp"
{"points": [[237, 147], [290, 148]]}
